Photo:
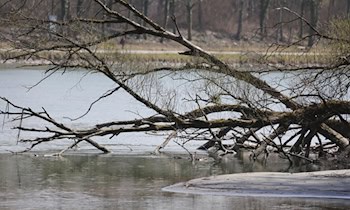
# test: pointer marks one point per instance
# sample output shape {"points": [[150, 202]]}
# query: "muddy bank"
{"points": [[321, 184]]}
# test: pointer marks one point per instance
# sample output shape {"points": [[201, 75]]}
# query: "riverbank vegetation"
{"points": [[302, 115], [236, 58]]}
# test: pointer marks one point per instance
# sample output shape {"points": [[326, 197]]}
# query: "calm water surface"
{"points": [[124, 182], [84, 180]]}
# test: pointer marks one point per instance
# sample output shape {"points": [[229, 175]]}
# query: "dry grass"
{"points": [[152, 50]]}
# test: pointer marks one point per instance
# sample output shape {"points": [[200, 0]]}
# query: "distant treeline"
{"points": [[234, 18]]}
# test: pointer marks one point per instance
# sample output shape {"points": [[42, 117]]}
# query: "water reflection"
{"points": [[123, 182]]}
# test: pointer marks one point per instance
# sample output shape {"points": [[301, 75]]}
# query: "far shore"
{"points": [[165, 53]]}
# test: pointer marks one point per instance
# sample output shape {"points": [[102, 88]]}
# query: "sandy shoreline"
{"points": [[321, 184]]}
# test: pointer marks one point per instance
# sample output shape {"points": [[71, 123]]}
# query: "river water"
{"points": [[129, 178]]}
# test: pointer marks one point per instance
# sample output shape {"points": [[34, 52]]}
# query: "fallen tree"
{"points": [[290, 119]]}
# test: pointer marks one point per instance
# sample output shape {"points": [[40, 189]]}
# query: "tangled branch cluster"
{"points": [[289, 121]]}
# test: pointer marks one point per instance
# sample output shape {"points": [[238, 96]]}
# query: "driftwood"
{"points": [[317, 116]]}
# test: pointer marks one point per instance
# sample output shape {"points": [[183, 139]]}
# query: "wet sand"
{"points": [[321, 184]]}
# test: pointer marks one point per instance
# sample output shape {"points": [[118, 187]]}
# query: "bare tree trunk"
{"points": [[314, 6], [280, 35], [52, 7], [166, 14], [301, 22], [105, 17], [165, 17], [64, 15], [189, 8], [145, 12], [240, 20], [109, 5], [172, 6], [79, 7], [251, 8], [65, 7], [330, 9], [264, 5], [63, 10], [160, 6], [348, 8], [200, 15], [128, 16]]}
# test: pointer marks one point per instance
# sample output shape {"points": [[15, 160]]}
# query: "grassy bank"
{"points": [[154, 51]]}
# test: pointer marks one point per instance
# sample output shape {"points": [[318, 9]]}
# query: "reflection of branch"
{"points": [[166, 141], [7, 110], [192, 156], [268, 140]]}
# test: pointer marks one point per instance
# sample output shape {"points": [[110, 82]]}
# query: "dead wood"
{"points": [[263, 113]]}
